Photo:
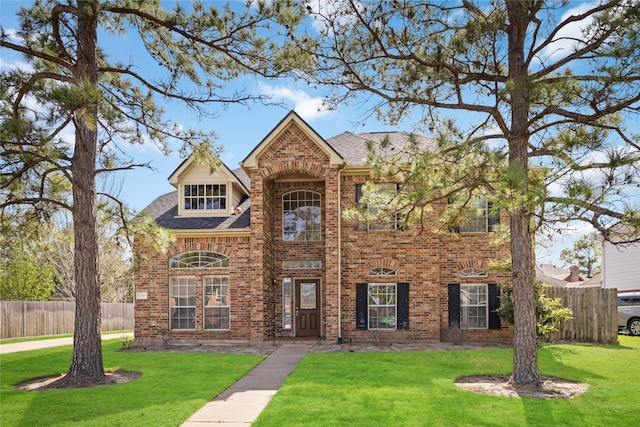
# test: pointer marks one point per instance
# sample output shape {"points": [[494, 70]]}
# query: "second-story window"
{"points": [[301, 216], [378, 196], [205, 197], [479, 216]]}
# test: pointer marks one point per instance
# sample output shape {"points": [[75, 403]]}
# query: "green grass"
{"points": [[49, 337], [173, 386], [417, 389], [331, 389]]}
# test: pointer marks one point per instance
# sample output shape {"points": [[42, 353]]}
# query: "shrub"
{"points": [[549, 311]]}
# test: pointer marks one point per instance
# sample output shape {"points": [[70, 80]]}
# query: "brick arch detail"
{"points": [[473, 264], [275, 170], [382, 263], [198, 247]]}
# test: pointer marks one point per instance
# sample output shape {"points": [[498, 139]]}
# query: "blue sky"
{"points": [[238, 128]]}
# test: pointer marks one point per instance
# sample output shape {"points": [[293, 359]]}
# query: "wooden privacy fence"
{"points": [[32, 319], [595, 314]]}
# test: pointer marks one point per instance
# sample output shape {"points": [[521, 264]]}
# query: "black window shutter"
{"points": [[362, 312], [454, 305], [494, 217], [402, 306], [494, 304]]}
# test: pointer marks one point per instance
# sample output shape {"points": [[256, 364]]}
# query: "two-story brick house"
{"points": [[263, 253]]}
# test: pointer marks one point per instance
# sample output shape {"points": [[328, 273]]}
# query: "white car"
{"points": [[629, 312]]}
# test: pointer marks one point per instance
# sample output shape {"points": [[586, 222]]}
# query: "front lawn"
{"points": [[331, 389], [173, 386], [417, 389]]}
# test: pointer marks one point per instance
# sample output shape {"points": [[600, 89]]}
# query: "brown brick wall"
{"points": [[152, 315], [426, 260]]}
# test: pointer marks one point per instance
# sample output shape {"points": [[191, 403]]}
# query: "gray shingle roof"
{"points": [[352, 147], [165, 211]]}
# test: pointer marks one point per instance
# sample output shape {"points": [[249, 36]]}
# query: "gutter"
{"points": [[340, 253]]}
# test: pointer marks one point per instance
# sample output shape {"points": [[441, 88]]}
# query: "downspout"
{"points": [[340, 254]]}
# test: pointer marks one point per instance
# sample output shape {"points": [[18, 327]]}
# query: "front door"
{"points": [[307, 308]]}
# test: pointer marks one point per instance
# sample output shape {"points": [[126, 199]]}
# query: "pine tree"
{"points": [[196, 49], [549, 98]]}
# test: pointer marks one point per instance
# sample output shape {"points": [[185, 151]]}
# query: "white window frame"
{"points": [[382, 272], [473, 272], [212, 198], [304, 199], [216, 295], [177, 287], [382, 301], [472, 303], [198, 259]]}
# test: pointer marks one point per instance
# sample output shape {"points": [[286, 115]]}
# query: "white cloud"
{"points": [[325, 14], [15, 65], [12, 35], [308, 107], [568, 39]]}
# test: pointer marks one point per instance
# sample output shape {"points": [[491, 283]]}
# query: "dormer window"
{"points": [[210, 197]]}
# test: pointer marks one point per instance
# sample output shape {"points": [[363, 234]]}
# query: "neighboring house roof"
{"points": [[165, 211], [556, 276], [594, 282], [622, 233]]}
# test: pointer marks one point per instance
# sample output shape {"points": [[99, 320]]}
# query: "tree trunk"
{"points": [[86, 365], [525, 358]]}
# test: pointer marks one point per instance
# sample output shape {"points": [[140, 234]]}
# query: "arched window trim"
{"points": [[382, 272], [198, 259], [473, 272]]}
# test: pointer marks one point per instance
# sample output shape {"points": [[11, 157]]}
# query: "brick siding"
{"points": [[427, 261]]}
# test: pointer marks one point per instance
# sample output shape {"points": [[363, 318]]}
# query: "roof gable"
{"points": [[251, 161], [189, 165]]}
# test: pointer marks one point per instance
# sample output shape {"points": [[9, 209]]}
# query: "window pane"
{"points": [[476, 217], [473, 306], [216, 299], [382, 305], [199, 260], [301, 216], [382, 271], [205, 196], [308, 296], [380, 196], [182, 293], [286, 303]]}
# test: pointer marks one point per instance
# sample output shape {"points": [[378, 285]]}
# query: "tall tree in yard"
{"points": [[549, 97], [70, 83]]}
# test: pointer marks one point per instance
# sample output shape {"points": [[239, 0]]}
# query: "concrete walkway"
{"points": [[52, 342], [241, 403]]}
